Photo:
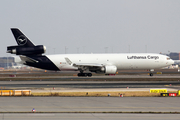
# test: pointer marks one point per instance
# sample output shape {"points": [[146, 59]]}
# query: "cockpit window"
{"points": [[168, 58]]}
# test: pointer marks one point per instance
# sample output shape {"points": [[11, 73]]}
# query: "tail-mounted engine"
{"points": [[22, 50]]}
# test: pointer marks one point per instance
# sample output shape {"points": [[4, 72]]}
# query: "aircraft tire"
{"points": [[84, 74], [89, 74], [151, 74], [80, 74]]}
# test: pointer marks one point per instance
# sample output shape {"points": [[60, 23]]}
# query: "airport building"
{"points": [[174, 56], [6, 62]]}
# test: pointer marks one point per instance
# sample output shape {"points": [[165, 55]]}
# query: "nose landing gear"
{"points": [[151, 74]]}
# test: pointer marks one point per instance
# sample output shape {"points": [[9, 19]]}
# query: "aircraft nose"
{"points": [[171, 62]]}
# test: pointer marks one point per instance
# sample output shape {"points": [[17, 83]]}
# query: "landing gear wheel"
{"points": [[84, 74], [89, 74], [80, 74], [151, 74]]}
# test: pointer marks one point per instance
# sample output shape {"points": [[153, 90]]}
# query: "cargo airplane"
{"points": [[32, 55]]}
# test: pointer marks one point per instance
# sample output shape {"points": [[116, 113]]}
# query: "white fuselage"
{"points": [[121, 61]]}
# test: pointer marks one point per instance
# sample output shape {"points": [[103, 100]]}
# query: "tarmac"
{"points": [[86, 116], [90, 104], [88, 84], [77, 108]]}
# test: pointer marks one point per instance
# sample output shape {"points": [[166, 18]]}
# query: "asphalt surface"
{"points": [[45, 77], [107, 76], [91, 104], [99, 77], [92, 116], [88, 84], [72, 104]]}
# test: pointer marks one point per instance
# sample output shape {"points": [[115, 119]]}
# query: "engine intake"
{"points": [[106, 69], [21, 50], [110, 69]]}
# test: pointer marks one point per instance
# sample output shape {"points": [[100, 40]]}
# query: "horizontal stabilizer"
{"points": [[28, 59]]}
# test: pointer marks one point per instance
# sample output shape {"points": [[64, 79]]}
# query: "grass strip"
{"points": [[101, 94]]}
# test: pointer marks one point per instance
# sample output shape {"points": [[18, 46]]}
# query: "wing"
{"points": [[93, 67], [85, 66]]}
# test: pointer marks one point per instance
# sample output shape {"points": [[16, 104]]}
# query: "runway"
{"points": [[91, 104], [94, 78], [92, 116], [88, 84], [65, 105]]}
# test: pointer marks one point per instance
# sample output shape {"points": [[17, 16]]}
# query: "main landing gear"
{"points": [[151, 74], [84, 74]]}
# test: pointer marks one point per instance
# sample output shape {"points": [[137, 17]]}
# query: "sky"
{"points": [[93, 26]]}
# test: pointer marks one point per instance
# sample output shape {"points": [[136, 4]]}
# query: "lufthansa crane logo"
{"points": [[22, 40]]}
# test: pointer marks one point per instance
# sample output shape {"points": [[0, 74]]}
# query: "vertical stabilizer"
{"points": [[21, 39], [25, 46]]}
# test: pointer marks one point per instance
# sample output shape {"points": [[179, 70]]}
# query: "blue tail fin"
{"points": [[21, 39]]}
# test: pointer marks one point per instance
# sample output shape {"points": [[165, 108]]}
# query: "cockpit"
{"points": [[168, 58]]}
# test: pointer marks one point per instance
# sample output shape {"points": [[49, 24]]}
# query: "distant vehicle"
{"points": [[32, 55], [16, 67]]}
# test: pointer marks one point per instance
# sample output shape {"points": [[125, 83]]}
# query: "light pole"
{"points": [[77, 50], [7, 62], [66, 50], [54, 50], [106, 49]]}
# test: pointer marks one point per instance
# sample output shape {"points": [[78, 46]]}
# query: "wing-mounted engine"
{"points": [[22, 50], [110, 69], [104, 69]]}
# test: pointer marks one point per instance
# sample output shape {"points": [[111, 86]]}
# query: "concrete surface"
{"points": [[93, 116], [50, 104]]}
